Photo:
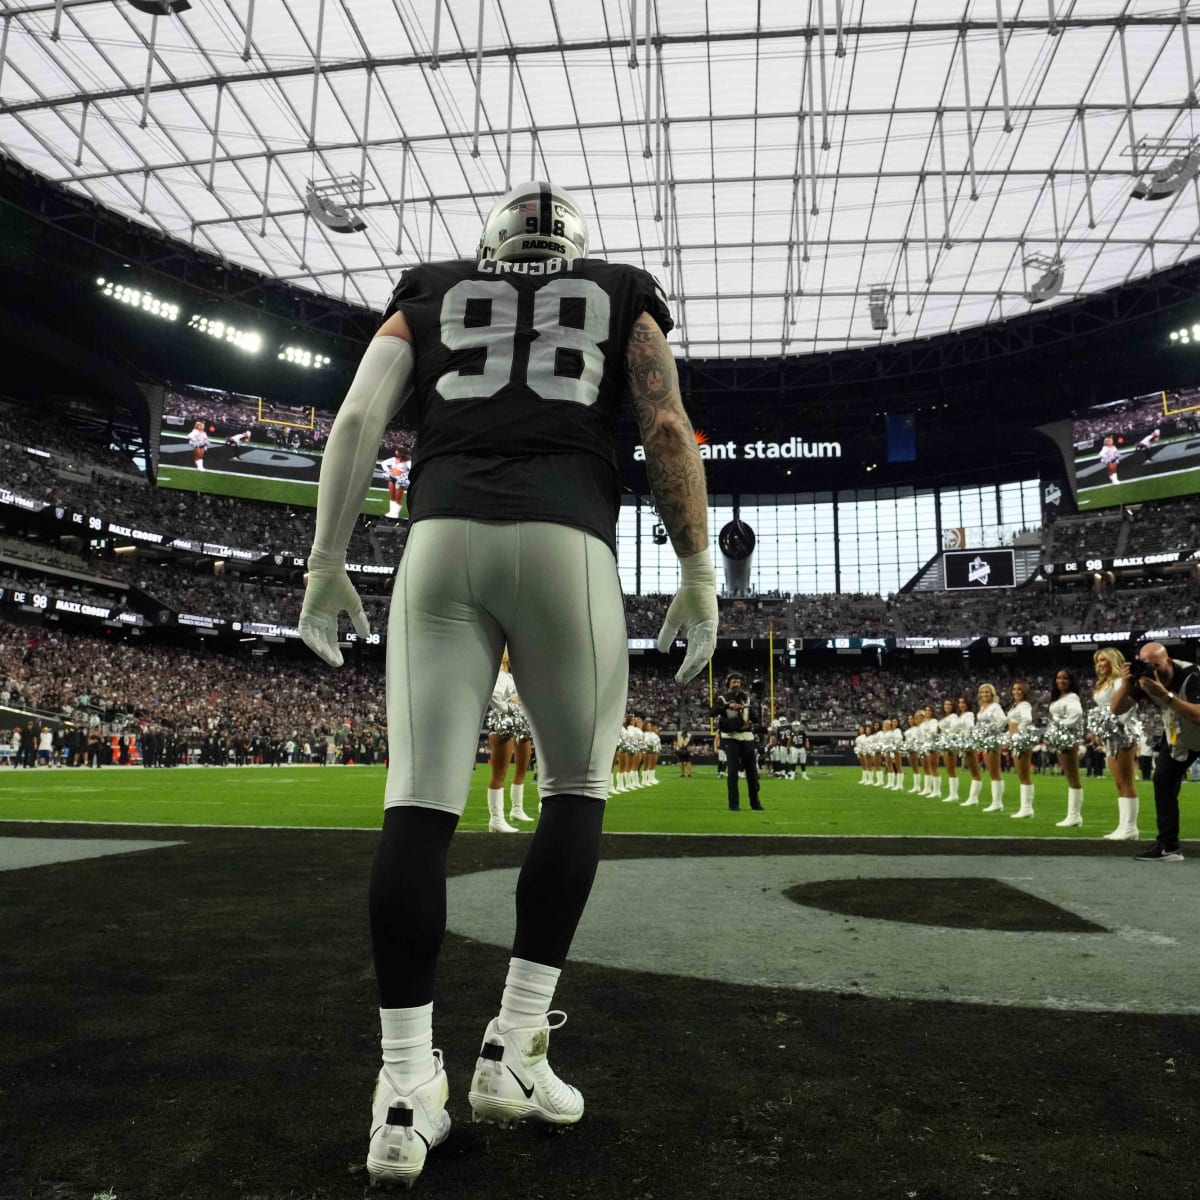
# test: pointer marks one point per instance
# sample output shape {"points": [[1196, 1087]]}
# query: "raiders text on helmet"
{"points": [[535, 220]]}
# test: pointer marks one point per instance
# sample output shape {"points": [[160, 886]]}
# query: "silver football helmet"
{"points": [[535, 220]]}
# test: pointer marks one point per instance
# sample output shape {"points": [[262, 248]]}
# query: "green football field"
{"points": [[831, 803], [1155, 487], [254, 487]]}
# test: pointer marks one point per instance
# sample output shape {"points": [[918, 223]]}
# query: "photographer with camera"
{"points": [[1174, 688], [737, 715]]}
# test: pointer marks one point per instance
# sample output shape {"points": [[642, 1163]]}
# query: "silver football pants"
{"points": [[463, 589]]}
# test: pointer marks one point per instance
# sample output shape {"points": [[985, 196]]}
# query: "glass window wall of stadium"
{"points": [[870, 540]]}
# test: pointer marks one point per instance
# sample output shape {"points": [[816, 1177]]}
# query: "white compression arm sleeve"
{"points": [[374, 397]]}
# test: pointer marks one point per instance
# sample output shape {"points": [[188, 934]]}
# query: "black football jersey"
{"points": [[519, 379]]}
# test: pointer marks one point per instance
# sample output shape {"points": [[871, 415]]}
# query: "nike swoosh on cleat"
{"points": [[527, 1090]]}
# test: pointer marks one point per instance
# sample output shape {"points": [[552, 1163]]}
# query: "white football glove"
{"points": [[328, 592], [694, 610]]}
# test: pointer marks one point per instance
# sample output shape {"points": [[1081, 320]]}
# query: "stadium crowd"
{"points": [[134, 684]]}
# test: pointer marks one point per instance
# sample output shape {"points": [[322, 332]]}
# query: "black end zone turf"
{"points": [[966, 903], [199, 1022]]}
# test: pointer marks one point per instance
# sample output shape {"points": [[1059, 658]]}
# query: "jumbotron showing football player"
{"points": [[198, 440], [397, 470], [530, 335]]}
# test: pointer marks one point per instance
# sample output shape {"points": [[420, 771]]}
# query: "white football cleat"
{"points": [[514, 1082], [405, 1128]]}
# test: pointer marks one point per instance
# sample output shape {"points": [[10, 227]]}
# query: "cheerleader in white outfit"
{"points": [[653, 749], [885, 753], [913, 737], [1020, 717], [990, 726], [933, 778], [1110, 457], [948, 726], [198, 440], [966, 728], [1066, 735], [895, 757], [501, 724], [1121, 745], [875, 756]]}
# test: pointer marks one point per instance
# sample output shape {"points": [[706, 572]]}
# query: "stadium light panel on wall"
{"points": [[243, 339], [300, 357], [138, 298]]}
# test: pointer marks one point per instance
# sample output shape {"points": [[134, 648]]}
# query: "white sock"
{"points": [[408, 1046], [528, 991], [516, 796]]}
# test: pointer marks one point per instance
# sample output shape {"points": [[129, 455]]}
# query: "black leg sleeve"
{"points": [[407, 903], [556, 880]]}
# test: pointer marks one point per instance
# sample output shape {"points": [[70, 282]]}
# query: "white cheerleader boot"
{"points": [[972, 794], [516, 801], [1074, 815], [952, 789], [997, 804], [917, 786], [496, 821], [1026, 809], [1127, 828]]}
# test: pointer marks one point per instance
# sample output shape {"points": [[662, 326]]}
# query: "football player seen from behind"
{"points": [[533, 335]]}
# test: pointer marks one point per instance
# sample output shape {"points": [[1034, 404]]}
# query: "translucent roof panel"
{"points": [[797, 173]]}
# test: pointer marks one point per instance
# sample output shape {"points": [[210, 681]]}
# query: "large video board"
{"points": [[252, 447], [1142, 448]]}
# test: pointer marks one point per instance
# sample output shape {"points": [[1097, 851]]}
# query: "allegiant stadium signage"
{"points": [[793, 448]]}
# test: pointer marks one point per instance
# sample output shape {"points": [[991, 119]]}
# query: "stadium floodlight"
{"points": [[879, 299], [138, 298], [336, 214], [300, 357], [1049, 283], [243, 339], [1182, 165]]}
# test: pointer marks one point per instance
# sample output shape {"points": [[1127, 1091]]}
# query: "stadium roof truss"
{"points": [[795, 171]]}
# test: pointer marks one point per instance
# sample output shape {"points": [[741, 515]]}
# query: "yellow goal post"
{"points": [[290, 416]]}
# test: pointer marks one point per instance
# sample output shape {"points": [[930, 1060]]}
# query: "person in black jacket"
{"points": [[737, 715]]}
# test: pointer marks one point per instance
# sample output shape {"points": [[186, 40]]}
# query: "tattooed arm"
{"points": [[676, 474], [673, 462]]}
